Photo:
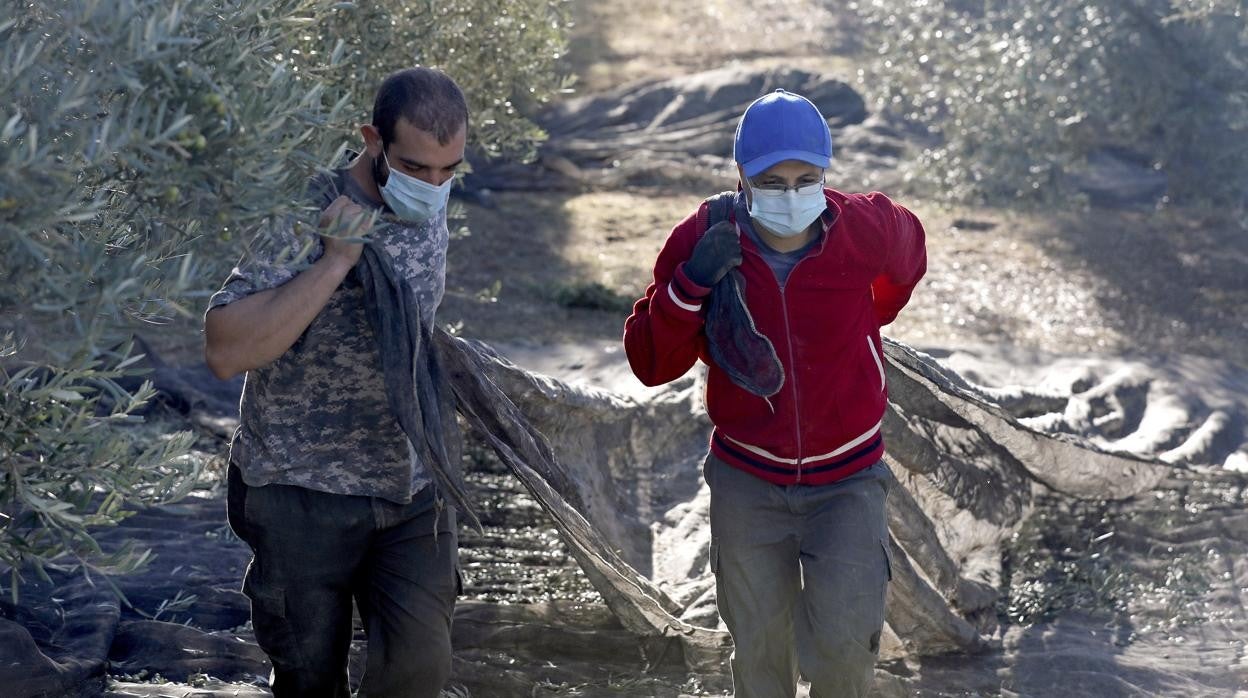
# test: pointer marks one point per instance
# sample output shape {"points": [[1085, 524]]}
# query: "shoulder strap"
{"points": [[715, 209]]}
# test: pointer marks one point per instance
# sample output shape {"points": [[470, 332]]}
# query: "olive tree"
{"points": [[1017, 93], [136, 135]]}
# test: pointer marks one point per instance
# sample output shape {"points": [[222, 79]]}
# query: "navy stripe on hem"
{"points": [[834, 465]]}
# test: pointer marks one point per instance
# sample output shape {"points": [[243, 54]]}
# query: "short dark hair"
{"points": [[428, 98]]}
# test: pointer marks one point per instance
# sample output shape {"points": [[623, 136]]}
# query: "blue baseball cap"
{"points": [[781, 126]]}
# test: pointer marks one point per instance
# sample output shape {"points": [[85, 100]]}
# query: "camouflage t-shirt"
{"points": [[318, 417]]}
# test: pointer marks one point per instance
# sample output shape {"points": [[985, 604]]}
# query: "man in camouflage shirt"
{"points": [[323, 484]]}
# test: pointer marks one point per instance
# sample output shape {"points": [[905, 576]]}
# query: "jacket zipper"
{"points": [[788, 338], [797, 398]]}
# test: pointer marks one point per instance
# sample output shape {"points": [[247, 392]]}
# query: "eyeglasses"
{"points": [[780, 189]]}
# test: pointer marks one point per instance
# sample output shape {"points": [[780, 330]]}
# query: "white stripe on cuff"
{"points": [[682, 304]]}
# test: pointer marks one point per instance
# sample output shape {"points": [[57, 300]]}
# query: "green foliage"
{"points": [[1019, 92], [143, 144], [501, 54], [135, 127], [69, 467]]}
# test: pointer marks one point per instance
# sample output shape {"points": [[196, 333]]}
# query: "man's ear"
{"points": [[372, 140]]}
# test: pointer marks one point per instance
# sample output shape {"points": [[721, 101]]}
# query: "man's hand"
{"points": [[344, 219], [716, 253]]}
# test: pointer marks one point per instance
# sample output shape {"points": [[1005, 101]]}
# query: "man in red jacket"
{"points": [[799, 543]]}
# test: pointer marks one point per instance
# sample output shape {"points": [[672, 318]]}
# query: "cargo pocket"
{"points": [[273, 630], [236, 503], [888, 561]]}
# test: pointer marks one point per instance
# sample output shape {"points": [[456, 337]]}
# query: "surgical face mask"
{"points": [[412, 199], [787, 212]]}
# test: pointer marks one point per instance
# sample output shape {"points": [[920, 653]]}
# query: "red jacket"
{"points": [[825, 325]]}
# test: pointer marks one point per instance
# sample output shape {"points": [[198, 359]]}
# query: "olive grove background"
{"points": [[1019, 94]]}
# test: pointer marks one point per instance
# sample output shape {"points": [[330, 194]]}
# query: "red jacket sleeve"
{"points": [[663, 337], [905, 257]]}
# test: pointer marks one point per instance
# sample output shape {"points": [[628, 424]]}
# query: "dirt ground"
{"points": [[614, 43], [1112, 282]]}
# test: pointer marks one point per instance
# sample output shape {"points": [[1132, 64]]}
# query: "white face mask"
{"points": [[412, 199], [788, 212]]}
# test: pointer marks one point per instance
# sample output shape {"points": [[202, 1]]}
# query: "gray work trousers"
{"points": [[313, 553], [800, 575]]}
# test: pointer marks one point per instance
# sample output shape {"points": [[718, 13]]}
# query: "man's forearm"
{"points": [[254, 331]]}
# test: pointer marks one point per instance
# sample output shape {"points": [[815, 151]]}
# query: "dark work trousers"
{"points": [[313, 552], [800, 575]]}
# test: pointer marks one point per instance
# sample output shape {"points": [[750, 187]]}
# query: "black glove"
{"points": [[716, 253]]}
